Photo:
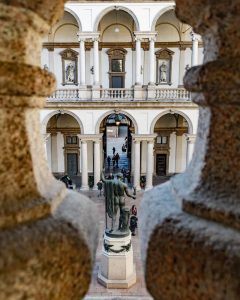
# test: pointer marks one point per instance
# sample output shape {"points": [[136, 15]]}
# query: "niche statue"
{"points": [[115, 191]]}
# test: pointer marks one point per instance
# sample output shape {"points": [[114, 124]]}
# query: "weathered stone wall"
{"points": [[190, 226], [48, 235]]}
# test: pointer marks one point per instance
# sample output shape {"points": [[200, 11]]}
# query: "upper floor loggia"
{"points": [[125, 51]]}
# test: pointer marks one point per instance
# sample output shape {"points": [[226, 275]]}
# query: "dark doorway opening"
{"points": [[161, 164]]}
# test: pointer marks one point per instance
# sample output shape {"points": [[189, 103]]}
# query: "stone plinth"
{"points": [[117, 270]]}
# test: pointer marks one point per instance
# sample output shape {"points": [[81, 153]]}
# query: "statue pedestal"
{"points": [[117, 270]]}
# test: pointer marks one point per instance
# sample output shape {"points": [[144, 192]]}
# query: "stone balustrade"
{"points": [[121, 94], [179, 94], [117, 94]]}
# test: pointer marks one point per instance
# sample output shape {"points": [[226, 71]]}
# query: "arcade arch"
{"points": [[62, 144], [171, 144], [117, 129], [115, 8]]}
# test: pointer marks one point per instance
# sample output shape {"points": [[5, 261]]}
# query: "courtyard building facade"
{"points": [[119, 70]]}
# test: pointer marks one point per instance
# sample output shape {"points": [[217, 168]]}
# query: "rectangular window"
{"points": [[162, 140], [71, 140]]}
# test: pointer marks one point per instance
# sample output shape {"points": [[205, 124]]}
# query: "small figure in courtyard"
{"points": [[109, 161], [124, 148], [133, 220], [113, 150], [100, 186], [163, 72], [128, 175], [114, 160], [117, 157]]}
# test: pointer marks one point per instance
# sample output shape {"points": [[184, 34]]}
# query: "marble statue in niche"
{"points": [[70, 72], [163, 72]]}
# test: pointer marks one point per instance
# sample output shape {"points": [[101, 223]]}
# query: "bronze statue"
{"points": [[115, 191]]}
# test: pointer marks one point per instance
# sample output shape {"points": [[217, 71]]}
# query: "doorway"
{"points": [[72, 164], [161, 164]]}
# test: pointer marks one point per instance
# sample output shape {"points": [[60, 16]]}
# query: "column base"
{"points": [[117, 270], [95, 188], [147, 188], [84, 188]]}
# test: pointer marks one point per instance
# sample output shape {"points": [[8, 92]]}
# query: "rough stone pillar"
{"points": [[47, 233], [190, 225]]}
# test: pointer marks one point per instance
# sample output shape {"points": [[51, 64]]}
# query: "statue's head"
{"points": [[119, 176]]}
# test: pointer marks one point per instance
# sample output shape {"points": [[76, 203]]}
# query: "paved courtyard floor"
{"points": [[97, 291]]}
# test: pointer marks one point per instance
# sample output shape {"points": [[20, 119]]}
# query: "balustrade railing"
{"points": [[161, 94], [179, 94], [65, 95], [117, 94]]}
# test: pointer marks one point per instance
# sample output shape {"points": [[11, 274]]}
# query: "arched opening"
{"points": [[62, 145], [171, 144], [117, 129], [110, 12], [116, 29]]}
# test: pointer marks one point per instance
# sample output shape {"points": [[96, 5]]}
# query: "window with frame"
{"points": [[162, 140], [71, 140]]}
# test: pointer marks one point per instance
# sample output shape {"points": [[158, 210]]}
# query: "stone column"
{"points": [[60, 153], [138, 62], [181, 66], [35, 208], [96, 61], [97, 164], [194, 49], [172, 154], [136, 182], [48, 148], [82, 62], [51, 59], [191, 223], [84, 164], [190, 146], [149, 165], [152, 65]]}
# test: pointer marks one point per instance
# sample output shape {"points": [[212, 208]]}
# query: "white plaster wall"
{"points": [[44, 57]]}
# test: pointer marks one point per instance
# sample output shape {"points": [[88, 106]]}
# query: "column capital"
{"points": [[195, 37], [140, 35], [90, 137], [190, 137], [144, 137], [86, 35]]}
